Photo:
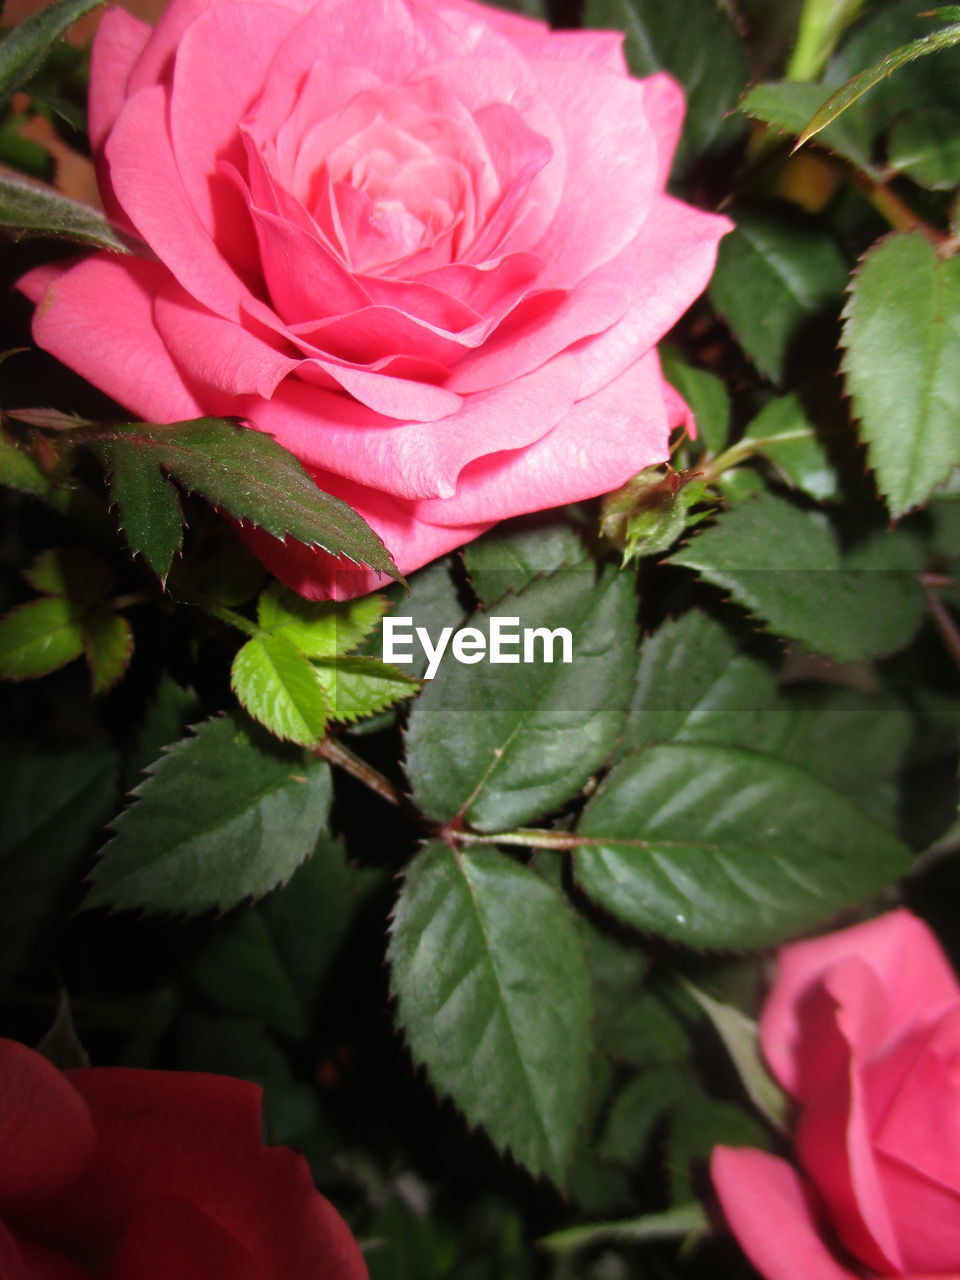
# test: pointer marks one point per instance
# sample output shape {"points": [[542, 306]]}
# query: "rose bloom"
{"points": [[153, 1175], [422, 243], [862, 1027]]}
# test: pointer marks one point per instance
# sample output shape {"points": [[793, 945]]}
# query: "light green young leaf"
{"points": [[902, 365], [279, 686], [494, 999], [357, 687], [39, 637], [682, 1220], [320, 629], [787, 436], [224, 815]]}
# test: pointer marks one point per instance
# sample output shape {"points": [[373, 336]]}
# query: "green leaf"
{"points": [[358, 687], [60, 1043], [741, 1038], [493, 998], [320, 629], [223, 815], [703, 52], [27, 209], [902, 365], [862, 83], [253, 478], [76, 573], [502, 744], [107, 647], [779, 274], [788, 105], [19, 471], [721, 847], [925, 145], [513, 554], [700, 1123], [785, 566], [790, 440], [705, 394], [54, 806], [39, 637], [169, 712], [148, 507], [682, 1220], [267, 961], [279, 686], [696, 683], [822, 22], [23, 50]]}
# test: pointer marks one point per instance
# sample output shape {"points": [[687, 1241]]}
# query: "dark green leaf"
{"points": [[789, 104], [509, 557], [23, 49], [171, 709], [696, 683], [253, 478], [902, 364], [267, 961], [30, 210], [279, 686], [779, 274], [703, 52], [148, 507], [700, 1123], [493, 997], [222, 816], [39, 637], [925, 145], [785, 566], [721, 847], [503, 744], [107, 647], [705, 394], [636, 1112], [60, 1044], [790, 440], [54, 806]]}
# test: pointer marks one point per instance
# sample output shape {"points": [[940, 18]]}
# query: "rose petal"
{"points": [[833, 1138], [770, 1213], [911, 969], [119, 41], [46, 1132], [600, 443], [414, 459], [168, 1236], [97, 317], [197, 1137], [220, 64], [926, 1215]]}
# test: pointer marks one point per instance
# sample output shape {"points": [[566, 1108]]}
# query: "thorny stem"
{"points": [[941, 616], [335, 752]]}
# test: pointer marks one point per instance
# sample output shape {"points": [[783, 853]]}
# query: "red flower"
{"points": [[153, 1175]]}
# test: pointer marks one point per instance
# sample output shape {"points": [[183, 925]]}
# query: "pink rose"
{"points": [[153, 1175], [862, 1027], [423, 243]]}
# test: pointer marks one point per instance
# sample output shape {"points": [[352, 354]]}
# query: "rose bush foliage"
{"points": [[144, 1175], [425, 245], [862, 1028]]}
